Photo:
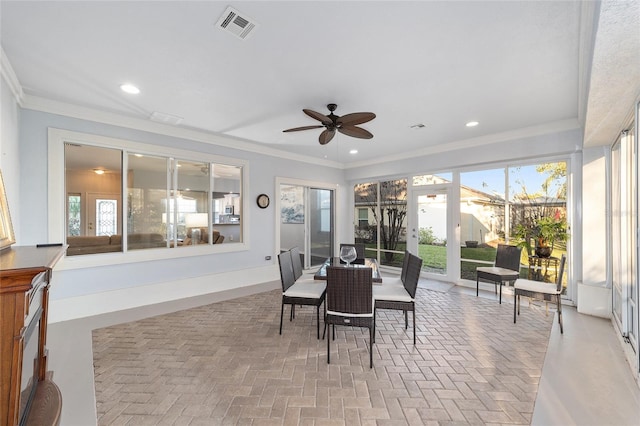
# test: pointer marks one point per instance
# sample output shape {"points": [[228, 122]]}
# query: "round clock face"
{"points": [[263, 201]]}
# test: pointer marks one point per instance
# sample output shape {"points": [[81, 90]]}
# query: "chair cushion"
{"points": [[497, 271], [343, 314], [307, 290], [392, 293], [535, 286], [393, 281], [308, 279]]}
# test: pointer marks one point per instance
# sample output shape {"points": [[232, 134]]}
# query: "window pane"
{"points": [[366, 228], [432, 179], [538, 212], [227, 203], [147, 221], [74, 217], [432, 231], [386, 218], [482, 209], [106, 217], [192, 202], [93, 174]]}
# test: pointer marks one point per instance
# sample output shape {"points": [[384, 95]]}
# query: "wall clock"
{"points": [[263, 201]]}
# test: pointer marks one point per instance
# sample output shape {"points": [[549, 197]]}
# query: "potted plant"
{"points": [[544, 232]]}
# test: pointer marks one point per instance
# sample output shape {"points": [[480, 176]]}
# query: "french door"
{"points": [[102, 214], [432, 238]]}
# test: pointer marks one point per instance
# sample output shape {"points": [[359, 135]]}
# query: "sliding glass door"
{"points": [[306, 221], [624, 225], [320, 233]]}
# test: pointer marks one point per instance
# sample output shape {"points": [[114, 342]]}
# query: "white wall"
{"points": [[594, 292], [79, 292], [74, 287], [9, 153]]}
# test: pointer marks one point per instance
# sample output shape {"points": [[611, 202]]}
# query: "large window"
{"points": [[169, 201], [524, 205], [384, 228]]}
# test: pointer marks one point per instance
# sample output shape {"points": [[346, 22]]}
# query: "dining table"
{"points": [[321, 274]]}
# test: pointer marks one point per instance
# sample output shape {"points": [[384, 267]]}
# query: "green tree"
{"points": [[556, 176], [392, 211]]}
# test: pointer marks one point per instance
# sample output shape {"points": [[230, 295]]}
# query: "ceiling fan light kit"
{"points": [[345, 124]]}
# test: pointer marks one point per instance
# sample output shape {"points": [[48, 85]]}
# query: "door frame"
{"points": [[452, 231], [306, 184]]}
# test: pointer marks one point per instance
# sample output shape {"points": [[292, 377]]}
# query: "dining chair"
{"points": [[400, 297], [399, 280], [549, 292], [349, 302], [298, 271], [505, 269], [359, 250], [298, 293]]}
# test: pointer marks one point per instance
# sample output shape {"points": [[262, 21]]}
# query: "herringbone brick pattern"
{"points": [[225, 363]]}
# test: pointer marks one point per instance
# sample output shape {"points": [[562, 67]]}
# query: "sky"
{"points": [[492, 181]]}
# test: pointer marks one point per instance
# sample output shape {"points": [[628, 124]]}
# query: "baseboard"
{"points": [[135, 297]]}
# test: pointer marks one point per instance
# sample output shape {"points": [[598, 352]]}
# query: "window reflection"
{"points": [[147, 190], [191, 203], [169, 203], [93, 177], [227, 202]]}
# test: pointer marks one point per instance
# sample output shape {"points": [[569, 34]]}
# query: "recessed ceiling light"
{"points": [[472, 124], [353, 151], [98, 171], [130, 88]]}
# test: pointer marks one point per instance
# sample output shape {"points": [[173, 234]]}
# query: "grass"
{"points": [[435, 259]]}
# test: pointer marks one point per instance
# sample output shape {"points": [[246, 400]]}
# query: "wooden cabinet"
{"points": [[25, 273]]}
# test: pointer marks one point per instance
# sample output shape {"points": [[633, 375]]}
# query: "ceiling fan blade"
{"points": [[326, 136], [297, 129], [356, 118], [356, 132], [317, 116]]}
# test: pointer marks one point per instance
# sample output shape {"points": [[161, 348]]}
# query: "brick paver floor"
{"points": [[225, 363]]}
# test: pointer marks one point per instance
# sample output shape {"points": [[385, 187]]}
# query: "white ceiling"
{"points": [[509, 65]]}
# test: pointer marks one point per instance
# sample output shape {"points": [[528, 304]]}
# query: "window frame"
{"points": [[57, 198]]}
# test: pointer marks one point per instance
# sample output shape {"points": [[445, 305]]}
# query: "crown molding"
{"points": [[525, 132], [40, 104], [9, 75], [85, 113]]}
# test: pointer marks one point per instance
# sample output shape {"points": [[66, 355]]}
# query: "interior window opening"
{"points": [[169, 202]]}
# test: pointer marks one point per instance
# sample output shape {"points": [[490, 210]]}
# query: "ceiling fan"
{"points": [[345, 124]]}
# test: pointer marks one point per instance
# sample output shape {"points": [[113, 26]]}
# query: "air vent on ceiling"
{"points": [[236, 23], [163, 117]]}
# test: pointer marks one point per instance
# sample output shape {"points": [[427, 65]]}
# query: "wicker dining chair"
{"points": [[349, 302], [505, 269], [298, 272], [298, 293], [400, 297], [549, 292]]}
